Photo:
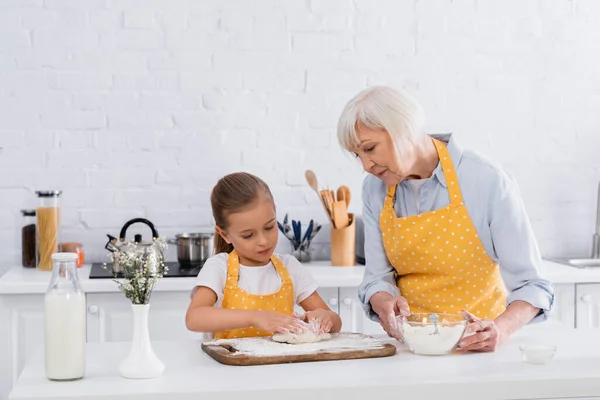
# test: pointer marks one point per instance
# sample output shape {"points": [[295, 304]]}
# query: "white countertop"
{"points": [[19, 280], [191, 374]]}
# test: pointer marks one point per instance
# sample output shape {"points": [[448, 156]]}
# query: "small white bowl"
{"points": [[537, 353]]}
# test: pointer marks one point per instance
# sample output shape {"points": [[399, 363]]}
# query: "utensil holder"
{"points": [[302, 254], [343, 244]]}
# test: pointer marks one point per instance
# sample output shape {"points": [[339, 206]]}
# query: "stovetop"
{"points": [[175, 271]]}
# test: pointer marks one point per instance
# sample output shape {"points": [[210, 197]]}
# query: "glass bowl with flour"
{"points": [[432, 334]]}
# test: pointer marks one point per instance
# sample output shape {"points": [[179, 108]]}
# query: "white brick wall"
{"points": [[136, 107]]}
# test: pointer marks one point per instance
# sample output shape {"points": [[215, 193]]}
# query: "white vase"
{"points": [[141, 362]]}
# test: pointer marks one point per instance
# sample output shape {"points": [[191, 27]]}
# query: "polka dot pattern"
{"points": [[236, 298], [440, 262]]}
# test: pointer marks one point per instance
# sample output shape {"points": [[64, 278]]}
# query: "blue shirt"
{"points": [[492, 199]]}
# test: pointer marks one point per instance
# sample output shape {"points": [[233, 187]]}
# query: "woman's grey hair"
{"points": [[382, 107]]}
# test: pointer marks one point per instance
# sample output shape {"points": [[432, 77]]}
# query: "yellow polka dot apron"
{"points": [[441, 264], [235, 298]]}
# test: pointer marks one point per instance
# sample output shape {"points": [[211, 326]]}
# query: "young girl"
{"points": [[244, 289]]}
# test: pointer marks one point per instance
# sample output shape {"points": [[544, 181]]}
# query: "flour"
{"points": [[265, 346], [420, 339], [304, 337]]}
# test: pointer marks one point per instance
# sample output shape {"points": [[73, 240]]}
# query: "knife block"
{"points": [[343, 244]]}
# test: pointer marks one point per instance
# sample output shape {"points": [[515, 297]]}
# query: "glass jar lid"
{"points": [[64, 257], [48, 193], [28, 213]]}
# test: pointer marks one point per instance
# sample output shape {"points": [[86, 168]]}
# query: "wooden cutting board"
{"points": [[225, 351]]}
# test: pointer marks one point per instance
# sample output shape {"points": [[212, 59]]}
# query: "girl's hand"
{"points": [[271, 321], [325, 318]]}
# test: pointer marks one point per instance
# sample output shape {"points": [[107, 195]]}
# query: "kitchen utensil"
{"points": [[343, 193], [340, 196], [434, 319], [418, 331], [146, 252], [300, 242], [295, 230], [193, 249], [340, 214], [308, 231], [312, 181], [286, 232], [298, 230], [286, 229], [311, 178], [315, 230], [225, 351], [328, 201]]}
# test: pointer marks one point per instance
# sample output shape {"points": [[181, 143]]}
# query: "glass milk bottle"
{"points": [[65, 316]]}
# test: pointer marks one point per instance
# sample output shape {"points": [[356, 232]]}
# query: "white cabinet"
{"points": [[353, 316], [588, 306], [563, 310], [21, 334], [344, 301], [110, 317], [331, 296]]}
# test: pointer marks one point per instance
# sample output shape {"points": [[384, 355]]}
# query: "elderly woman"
{"points": [[445, 228]]}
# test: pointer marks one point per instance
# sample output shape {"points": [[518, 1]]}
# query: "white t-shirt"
{"points": [[256, 280]]}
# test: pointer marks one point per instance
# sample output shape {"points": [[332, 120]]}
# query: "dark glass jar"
{"points": [[28, 239]]}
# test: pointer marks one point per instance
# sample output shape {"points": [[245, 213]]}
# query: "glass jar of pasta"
{"points": [[47, 227]]}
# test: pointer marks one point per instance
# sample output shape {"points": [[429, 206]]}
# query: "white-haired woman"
{"points": [[445, 228]]}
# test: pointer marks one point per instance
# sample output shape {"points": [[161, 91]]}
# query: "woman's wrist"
{"points": [[377, 299], [517, 314]]}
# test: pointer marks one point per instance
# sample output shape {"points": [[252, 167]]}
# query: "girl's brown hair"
{"points": [[233, 193]]}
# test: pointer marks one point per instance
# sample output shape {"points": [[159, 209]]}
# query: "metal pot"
{"points": [[193, 249]]}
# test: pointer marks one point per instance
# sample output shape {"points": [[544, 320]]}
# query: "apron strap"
{"points": [[449, 173], [233, 270], [283, 272]]}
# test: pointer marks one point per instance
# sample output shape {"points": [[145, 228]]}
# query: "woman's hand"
{"points": [[325, 319], [388, 307], [481, 335], [271, 321]]}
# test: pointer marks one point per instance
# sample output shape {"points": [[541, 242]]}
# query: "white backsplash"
{"points": [[135, 108]]}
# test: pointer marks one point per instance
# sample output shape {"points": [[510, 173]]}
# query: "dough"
{"points": [[296, 338]]}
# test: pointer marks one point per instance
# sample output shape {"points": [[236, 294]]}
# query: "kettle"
{"points": [[148, 253]]}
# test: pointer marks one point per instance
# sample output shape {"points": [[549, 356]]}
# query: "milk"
{"points": [[65, 326]]}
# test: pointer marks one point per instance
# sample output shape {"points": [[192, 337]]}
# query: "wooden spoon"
{"points": [[343, 193], [328, 203], [311, 179], [340, 214]]}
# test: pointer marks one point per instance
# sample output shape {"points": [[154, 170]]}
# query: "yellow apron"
{"points": [[441, 264], [235, 298]]}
